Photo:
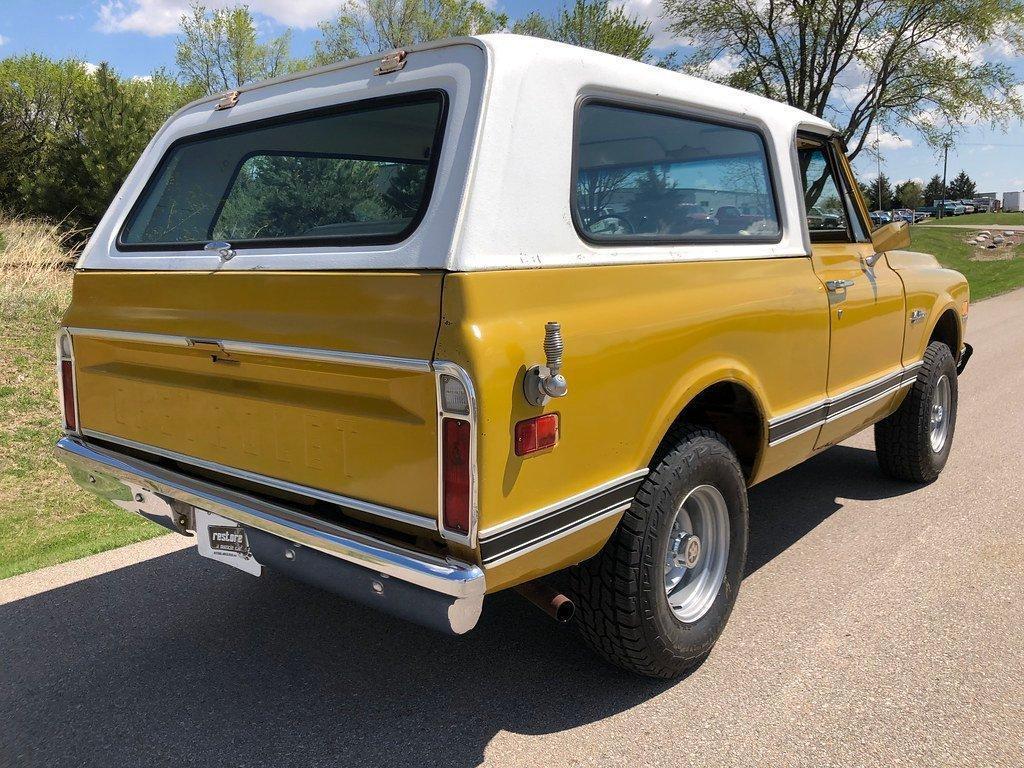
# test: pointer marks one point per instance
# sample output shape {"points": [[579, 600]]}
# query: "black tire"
{"points": [[903, 440], [622, 609]]}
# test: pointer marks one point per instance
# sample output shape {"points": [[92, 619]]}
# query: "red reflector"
{"points": [[536, 434], [67, 385], [455, 474]]}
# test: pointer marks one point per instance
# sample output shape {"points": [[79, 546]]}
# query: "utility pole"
{"points": [[945, 157], [878, 168]]}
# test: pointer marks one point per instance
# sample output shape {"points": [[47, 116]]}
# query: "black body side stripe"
{"points": [[791, 425], [855, 399], [795, 423], [558, 521]]}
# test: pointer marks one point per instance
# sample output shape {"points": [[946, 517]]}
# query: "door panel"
{"points": [[866, 324], [865, 299]]}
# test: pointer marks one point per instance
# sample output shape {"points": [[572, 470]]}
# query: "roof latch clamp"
{"points": [[227, 101], [393, 62]]}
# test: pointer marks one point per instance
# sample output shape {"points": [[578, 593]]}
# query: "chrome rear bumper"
{"points": [[441, 593]]}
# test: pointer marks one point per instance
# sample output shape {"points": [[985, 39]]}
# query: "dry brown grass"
{"points": [[35, 262], [44, 517]]}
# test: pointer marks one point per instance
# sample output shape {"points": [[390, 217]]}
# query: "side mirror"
{"points": [[891, 237]]}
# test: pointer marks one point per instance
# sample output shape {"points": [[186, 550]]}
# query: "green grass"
{"points": [[44, 517], [984, 219], [987, 278]]}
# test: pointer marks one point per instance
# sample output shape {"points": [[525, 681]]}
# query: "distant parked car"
{"points": [[881, 217], [732, 219], [968, 206], [903, 214], [819, 219], [949, 208]]}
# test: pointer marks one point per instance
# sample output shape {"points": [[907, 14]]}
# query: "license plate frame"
{"points": [[225, 541]]}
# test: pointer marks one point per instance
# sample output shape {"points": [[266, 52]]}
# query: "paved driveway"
{"points": [[879, 624]]}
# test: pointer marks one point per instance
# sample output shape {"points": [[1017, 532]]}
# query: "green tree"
{"points": [[908, 194], [70, 135], [37, 102], [594, 24], [534, 25], [80, 170], [878, 193], [219, 50], [382, 25], [933, 190], [864, 63], [962, 187], [602, 27]]}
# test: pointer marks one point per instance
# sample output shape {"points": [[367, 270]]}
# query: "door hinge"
{"points": [[393, 62]]}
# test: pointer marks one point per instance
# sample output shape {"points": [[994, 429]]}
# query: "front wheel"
{"points": [[914, 442], [657, 597]]}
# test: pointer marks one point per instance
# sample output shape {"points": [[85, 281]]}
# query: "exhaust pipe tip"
{"points": [[564, 609], [556, 605]]}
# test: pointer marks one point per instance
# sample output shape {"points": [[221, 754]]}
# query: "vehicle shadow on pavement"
{"points": [[179, 661], [787, 507]]}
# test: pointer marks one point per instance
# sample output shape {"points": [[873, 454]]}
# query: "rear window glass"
{"points": [[650, 176], [359, 175]]}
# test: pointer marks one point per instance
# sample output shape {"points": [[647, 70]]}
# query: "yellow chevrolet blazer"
{"points": [[422, 328]]}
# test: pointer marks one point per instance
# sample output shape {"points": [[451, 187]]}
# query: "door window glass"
{"points": [[827, 220]]}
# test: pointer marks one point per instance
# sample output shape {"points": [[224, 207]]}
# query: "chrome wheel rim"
{"points": [[938, 419], [698, 552]]}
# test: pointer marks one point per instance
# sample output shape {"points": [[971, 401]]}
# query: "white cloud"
{"points": [[89, 67], [161, 17], [723, 66], [651, 10], [3, 40], [890, 141]]}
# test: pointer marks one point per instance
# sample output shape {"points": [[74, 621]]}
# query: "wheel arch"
{"points": [[949, 331], [728, 403]]}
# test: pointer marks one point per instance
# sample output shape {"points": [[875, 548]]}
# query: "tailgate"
{"points": [[320, 379]]}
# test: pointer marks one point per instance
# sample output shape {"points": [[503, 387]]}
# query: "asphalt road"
{"points": [[879, 624]]}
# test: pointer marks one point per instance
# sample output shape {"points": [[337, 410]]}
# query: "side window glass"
{"points": [[647, 176], [827, 219]]}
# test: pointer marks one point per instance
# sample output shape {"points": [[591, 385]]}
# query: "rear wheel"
{"points": [[657, 597], [914, 442]]}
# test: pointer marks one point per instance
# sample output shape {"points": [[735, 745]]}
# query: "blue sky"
{"points": [[137, 36]]}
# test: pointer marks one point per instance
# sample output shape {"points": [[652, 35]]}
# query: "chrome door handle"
{"points": [[838, 285]]}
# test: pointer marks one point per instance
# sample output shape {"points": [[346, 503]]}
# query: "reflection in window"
{"points": [[642, 175], [826, 214], [354, 175]]}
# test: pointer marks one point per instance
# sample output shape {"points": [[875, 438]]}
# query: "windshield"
{"points": [[359, 174]]}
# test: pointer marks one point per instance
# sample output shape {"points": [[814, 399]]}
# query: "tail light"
{"points": [[66, 381], [455, 474]]}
